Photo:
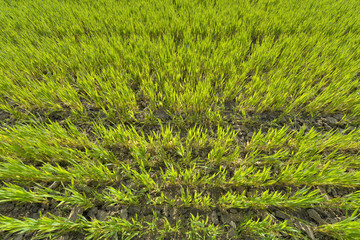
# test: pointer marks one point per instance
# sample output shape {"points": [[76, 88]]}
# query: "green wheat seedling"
{"points": [[161, 200], [46, 226], [193, 177], [113, 227], [267, 228], [251, 176], [73, 196], [48, 172], [162, 228], [350, 201], [151, 105], [119, 196], [142, 178], [287, 65], [301, 198], [25, 172], [197, 200], [166, 137], [346, 229], [201, 229], [40, 195], [95, 171], [318, 173], [302, 142], [196, 138], [51, 143], [272, 139], [14, 192]]}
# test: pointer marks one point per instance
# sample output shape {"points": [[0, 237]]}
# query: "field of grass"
{"points": [[179, 119]]}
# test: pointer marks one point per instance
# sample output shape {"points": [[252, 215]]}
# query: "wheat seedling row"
{"points": [[179, 119]]}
